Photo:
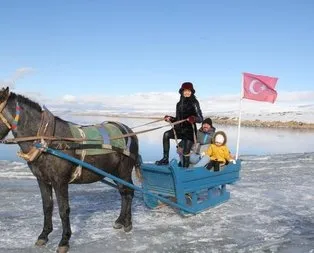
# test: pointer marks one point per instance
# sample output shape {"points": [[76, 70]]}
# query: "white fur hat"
{"points": [[219, 138]]}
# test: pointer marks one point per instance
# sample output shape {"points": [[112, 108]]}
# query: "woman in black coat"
{"points": [[187, 108]]}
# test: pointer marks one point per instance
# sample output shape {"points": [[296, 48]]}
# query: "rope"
{"points": [[155, 121], [33, 138], [53, 138], [175, 135], [145, 131]]}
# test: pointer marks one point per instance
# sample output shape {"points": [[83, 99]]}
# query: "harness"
{"points": [[46, 128]]}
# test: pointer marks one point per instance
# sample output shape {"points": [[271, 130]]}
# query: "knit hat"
{"points": [[207, 121], [187, 86], [219, 138]]}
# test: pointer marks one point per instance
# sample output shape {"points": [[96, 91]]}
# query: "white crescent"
{"points": [[252, 88]]}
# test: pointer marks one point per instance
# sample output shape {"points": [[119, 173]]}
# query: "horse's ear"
{"points": [[7, 90], [4, 93]]}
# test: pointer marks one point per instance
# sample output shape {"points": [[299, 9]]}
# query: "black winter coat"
{"points": [[187, 107]]}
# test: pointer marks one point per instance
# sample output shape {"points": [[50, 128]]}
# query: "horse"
{"points": [[26, 119]]}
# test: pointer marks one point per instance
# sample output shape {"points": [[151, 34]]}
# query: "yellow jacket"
{"points": [[219, 153]]}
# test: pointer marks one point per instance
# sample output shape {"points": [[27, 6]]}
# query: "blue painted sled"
{"points": [[190, 190], [195, 189]]}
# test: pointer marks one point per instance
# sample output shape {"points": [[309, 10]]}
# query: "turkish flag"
{"points": [[260, 88]]}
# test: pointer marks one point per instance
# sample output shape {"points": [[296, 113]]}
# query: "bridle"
{"points": [[14, 120], [33, 153]]}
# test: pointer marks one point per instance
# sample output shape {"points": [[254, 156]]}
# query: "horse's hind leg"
{"points": [[62, 196], [46, 195], [125, 218]]}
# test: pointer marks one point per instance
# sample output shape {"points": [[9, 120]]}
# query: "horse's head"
{"points": [[4, 126]]}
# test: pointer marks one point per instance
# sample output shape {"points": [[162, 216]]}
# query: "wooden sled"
{"points": [[195, 189]]}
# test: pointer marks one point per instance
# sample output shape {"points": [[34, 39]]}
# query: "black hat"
{"points": [[187, 86], [208, 121]]}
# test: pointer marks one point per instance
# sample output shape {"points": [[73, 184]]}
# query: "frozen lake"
{"points": [[271, 208]]}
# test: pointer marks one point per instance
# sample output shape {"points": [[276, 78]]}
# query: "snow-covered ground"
{"points": [[271, 210]]}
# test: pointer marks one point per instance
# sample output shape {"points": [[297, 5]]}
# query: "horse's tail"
{"points": [[137, 166]]}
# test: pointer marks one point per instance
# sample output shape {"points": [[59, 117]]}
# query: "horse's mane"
{"points": [[26, 101], [62, 120], [32, 104]]}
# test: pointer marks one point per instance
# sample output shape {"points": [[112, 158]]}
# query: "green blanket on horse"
{"points": [[99, 134]]}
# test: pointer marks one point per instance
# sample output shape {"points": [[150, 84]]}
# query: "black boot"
{"points": [[209, 165], [163, 161], [166, 146], [186, 161], [216, 166]]}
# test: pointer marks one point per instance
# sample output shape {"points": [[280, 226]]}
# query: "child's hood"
{"points": [[221, 133]]}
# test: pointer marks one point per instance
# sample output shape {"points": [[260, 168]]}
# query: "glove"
{"points": [[168, 118], [191, 119], [232, 161]]}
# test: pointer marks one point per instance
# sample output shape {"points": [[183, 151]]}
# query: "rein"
{"points": [[2, 117], [152, 122], [53, 138]]}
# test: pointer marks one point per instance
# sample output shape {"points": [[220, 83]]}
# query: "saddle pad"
{"points": [[99, 134]]}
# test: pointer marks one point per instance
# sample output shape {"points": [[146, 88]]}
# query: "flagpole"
{"points": [[239, 123]]}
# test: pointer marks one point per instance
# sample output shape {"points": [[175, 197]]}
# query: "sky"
{"points": [[68, 51]]}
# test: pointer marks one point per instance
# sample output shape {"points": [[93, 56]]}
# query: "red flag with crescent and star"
{"points": [[259, 87]]}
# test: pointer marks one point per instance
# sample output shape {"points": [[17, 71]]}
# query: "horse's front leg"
{"points": [[46, 195], [62, 196]]}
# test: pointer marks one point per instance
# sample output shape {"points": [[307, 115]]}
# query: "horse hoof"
{"points": [[63, 249], [117, 225], [128, 228], [40, 242]]}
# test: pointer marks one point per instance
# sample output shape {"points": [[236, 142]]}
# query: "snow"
{"points": [[271, 210]]}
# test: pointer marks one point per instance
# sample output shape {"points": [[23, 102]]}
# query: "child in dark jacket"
{"points": [[204, 136]]}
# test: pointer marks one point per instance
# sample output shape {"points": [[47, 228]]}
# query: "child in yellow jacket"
{"points": [[218, 152]]}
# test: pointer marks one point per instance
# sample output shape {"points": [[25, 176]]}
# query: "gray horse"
{"points": [[26, 118]]}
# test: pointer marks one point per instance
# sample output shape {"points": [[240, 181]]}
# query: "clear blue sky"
{"points": [[122, 47]]}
